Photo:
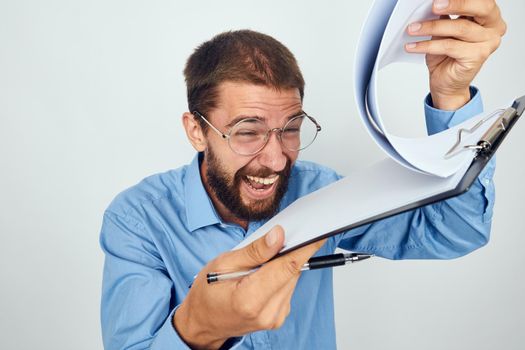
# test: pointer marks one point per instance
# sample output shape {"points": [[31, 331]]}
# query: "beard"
{"points": [[228, 189]]}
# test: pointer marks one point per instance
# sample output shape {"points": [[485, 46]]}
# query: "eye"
{"points": [[246, 132]]}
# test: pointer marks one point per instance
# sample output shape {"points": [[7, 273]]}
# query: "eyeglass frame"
{"points": [[267, 136]]}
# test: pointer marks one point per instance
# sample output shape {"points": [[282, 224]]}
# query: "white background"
{"points": [[91, 95]]}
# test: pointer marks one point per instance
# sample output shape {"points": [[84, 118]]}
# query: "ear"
{"points": [[194, 132]]}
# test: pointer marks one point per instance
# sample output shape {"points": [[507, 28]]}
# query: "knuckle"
{"points": [[490, 6], [458, 4], [491, 34], [265, 322], [292, 266], [463, 27], [432, 26], [448, 44], [216, 264], [254, 253], [503, 28], [247, 309], [220, 260]]}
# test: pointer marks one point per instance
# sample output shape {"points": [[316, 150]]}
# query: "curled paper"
{"points": [[382, 43], [416, 171]]}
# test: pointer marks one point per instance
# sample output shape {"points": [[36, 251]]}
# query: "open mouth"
{"points": [[260, 186]]}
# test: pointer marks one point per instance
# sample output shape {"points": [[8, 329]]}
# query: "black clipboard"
{"points": [[486, 148]]}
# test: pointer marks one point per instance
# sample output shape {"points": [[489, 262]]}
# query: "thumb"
{"points": [[259, 251]]}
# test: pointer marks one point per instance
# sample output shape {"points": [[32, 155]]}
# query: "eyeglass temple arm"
{"points": [[224, 136], [315, 122]]}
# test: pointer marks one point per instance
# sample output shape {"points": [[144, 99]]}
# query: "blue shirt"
{"points": [[158, 234]]}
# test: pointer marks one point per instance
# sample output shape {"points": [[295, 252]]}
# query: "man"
{"points": [[246, 121]]}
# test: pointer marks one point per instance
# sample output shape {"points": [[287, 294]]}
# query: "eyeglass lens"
{"points": [[249, 136]]}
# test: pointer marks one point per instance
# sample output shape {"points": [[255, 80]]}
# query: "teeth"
{"points": [[263, 180]]}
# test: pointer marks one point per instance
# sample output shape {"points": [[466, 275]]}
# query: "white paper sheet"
{"points": [[416, 168], [382, 43], [388, 186]]}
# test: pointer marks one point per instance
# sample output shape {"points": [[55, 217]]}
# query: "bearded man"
{"points": [[246, 122]]}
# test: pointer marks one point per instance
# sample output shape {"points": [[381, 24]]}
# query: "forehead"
{"points": [[243, 99]]}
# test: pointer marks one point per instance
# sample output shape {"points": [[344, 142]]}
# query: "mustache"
{"points": [[264, 171]]}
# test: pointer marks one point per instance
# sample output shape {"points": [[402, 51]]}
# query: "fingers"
{"points": [[461, 29], [459, 50], [484, 12], [273, 315], [263, 297], [255, 254], [289, 265], [474, 8], [273, 276], [279, 305]]}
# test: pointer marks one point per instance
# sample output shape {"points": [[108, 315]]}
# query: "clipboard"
{"points": [[486, 148]]}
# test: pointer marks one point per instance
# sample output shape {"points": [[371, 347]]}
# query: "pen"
{"points": [[318, 262]]}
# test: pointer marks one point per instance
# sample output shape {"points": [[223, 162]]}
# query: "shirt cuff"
{"points": [[438, 120], [168, 338]]}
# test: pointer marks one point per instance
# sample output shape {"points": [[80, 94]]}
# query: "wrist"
{"points": [[450, 101], [195, 336]]}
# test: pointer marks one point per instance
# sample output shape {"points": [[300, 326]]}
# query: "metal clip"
{"points": [[456, 148]]}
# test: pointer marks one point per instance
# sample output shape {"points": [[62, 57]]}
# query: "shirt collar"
{"points": [[199, 208]]}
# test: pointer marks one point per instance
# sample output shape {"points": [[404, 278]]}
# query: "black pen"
{"points": [[318, 262]]}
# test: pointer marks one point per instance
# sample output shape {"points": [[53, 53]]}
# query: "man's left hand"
{"points": [[458, 47]]}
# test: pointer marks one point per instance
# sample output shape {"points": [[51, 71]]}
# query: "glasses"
{"points": [[249, 136]]}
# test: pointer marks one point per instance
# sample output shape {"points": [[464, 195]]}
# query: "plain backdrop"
{"points": [[91, 98]]}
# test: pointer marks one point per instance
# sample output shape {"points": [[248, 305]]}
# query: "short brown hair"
{"points": [[238, 56]]}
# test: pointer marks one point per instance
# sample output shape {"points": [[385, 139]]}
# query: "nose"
{"points": [[272, 155]]}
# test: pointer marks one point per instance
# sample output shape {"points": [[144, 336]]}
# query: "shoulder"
{"points": [[311, 169], [151, 190], [308, 176], [308, 166]]}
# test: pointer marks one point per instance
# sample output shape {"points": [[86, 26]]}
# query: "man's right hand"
{"points": [[211, 314]]}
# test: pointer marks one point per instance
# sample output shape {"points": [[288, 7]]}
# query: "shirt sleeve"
{"points": [[444, 230], [136, 289], [137, 292], [438, 120]]}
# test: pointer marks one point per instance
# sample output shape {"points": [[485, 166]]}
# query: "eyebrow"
{"points": [[241, 117]]}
